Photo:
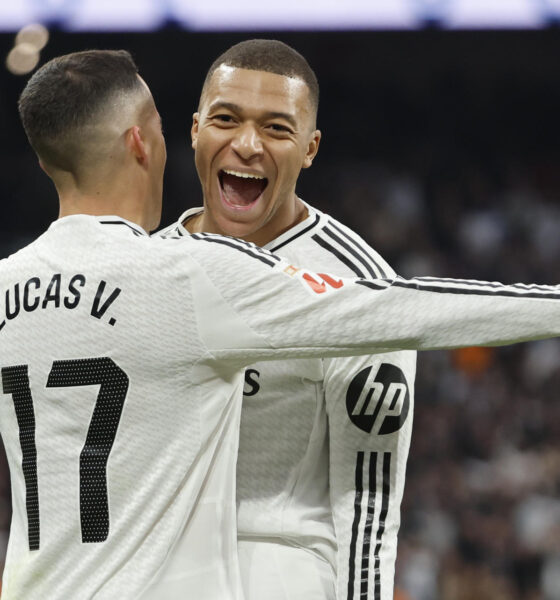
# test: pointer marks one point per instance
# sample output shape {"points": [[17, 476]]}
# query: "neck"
{"points": [[277, 224], [129, 204]]}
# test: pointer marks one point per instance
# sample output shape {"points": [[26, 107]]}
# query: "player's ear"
{"points": [[194, 129], [136, 144], [312, 148]]}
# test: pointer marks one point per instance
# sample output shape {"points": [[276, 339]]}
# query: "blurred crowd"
{"points": [[446, 162], [481, 510]]}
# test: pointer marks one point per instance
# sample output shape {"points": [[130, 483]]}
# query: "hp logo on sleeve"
{"points": [[378, 397]]}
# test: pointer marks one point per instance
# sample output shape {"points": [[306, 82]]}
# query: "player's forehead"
{"points": [[256, 90]]}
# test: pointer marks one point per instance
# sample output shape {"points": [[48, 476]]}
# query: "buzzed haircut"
{"points": [[272, 56], [70, 92]]}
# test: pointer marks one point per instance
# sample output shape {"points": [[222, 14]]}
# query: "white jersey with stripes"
{"points": [[324, 442], [121, 368]]}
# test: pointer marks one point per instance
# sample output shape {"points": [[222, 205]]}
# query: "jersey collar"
{"points": [[191, 212], [113, 221], [313, 218], [119, 221]]}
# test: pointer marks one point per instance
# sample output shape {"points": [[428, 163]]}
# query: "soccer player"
{"points": [[121, 355], [324, 443]]}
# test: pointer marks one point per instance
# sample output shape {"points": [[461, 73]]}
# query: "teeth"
{"points": [[243, 175]]}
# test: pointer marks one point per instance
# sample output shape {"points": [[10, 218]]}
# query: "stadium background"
{"points": [[441, 148]]}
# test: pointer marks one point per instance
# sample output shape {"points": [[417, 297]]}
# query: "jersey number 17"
{"points": [[113, 387]]}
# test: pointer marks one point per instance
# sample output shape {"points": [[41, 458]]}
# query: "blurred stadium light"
{"points": [[34, 34], [201, 15], [22, 59], [26, 53]]}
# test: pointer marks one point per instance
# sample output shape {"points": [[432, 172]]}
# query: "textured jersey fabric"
{"points": [[354, 429], [300, 448], [121, 364], [121, 367], [127, 450], [324, 442]]}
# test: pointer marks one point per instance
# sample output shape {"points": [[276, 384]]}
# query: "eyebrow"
{"points": [[269, 115]]}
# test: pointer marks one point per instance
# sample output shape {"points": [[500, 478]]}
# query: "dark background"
{"points": [[442, 150]]}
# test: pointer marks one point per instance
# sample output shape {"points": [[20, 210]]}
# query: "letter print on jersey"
{"points": [[369, 393], [252, 385]]}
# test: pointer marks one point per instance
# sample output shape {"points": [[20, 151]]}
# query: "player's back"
{"points": [[121, 447]]}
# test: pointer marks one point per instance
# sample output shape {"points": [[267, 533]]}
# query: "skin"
{"points": [[128, 178], [257, 123]]}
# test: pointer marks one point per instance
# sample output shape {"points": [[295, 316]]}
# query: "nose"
{"points": [[247, 143]]}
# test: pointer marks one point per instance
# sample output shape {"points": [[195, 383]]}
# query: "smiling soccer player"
{"points": [[302, 532]]}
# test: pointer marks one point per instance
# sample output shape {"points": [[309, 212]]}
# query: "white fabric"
{"points": [[276, 571], [296, 500], [308, 478], [169, 472], [98, 317]]}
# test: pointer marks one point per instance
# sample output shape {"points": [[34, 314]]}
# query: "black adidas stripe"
{"points": [[239, 242], [295, 236], [368, 525], [490, 284], [473, 288], [469, 288], [135, 231], [342, 243], [356, 523], [373, 285], [386, 491], [378, 271], [269, 260], [341, 257]]}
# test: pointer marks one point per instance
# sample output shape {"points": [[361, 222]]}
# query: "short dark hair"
{"points": [[67, 93], [272, 56]]}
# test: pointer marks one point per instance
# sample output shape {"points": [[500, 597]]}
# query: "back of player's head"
{"points": [[272, 56], [68, 100]]}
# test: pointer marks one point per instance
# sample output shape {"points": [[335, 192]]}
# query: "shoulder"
{"points": [[322, 242], [24, 254], [207, 242], [211, 249]]}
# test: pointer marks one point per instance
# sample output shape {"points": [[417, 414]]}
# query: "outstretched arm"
{"points": [[277, 310]]}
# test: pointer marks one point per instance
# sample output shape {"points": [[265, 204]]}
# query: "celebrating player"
{"points": [[324, 443], [121, 355]]}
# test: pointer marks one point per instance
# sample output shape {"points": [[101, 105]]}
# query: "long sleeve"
{"points": [[256, 306], [370, 406]]}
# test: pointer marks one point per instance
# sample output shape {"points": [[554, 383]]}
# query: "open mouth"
{"points": [[241, 190]]}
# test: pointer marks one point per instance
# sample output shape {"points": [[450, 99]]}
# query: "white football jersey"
{"points": [[121, 360], [323, 448], [309, 434]]}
